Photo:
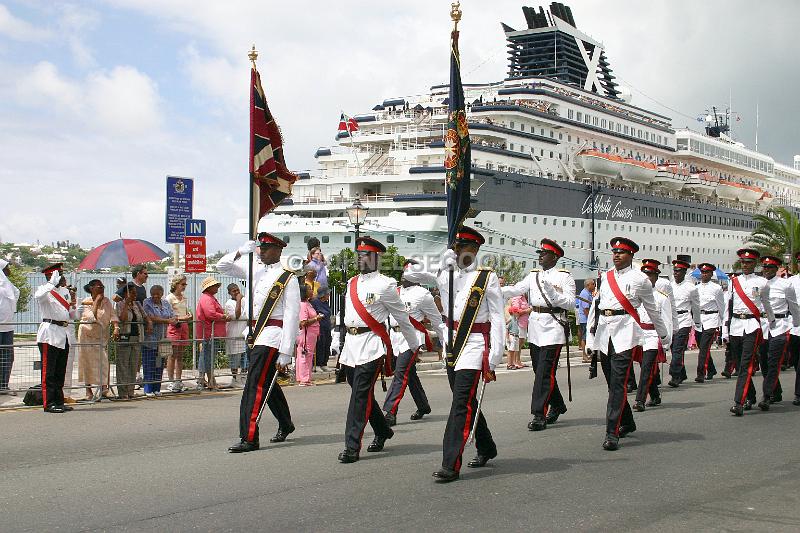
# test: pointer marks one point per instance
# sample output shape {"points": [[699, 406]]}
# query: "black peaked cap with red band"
{"points": [[268, 239], [52, 268], [467, 235], [680, 264], [748, 253], [623, 244], [771, 260], [707, 267], [368, 244], [548, 245], [651, 263], [649, 268]]}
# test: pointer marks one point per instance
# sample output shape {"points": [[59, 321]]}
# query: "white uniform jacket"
{"points": [[52, 309], [711, 299], [665, 286], [622, 329], [755, 287], [687, 306], [650, 336], [287, 308], [783, 300], [419, 305], [378, 294], [491, 310], [795, 281], [559, 288]]}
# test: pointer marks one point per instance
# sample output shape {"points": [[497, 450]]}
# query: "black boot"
{"points": [[445, 475], [737, 410], [348, 456], [378, 442], [764, 404], [281, 435], [391, 419], [554, 413], [419, 413], [638, 406], [244, 446], [481, 459], [538, 423]]}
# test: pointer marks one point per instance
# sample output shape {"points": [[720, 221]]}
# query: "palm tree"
{"points": [[777, 233]]}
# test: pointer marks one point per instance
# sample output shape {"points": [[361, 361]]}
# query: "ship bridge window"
{"points": [[544, 221], [579, 116], [411, 238], [326, 239], [534, 219], [603, 123], [490, 240], [286, 239], [502, 217], [502, 240], [573, 223], [594, 121], [511, 124], [522, 127], [513, 218], [524, 219], [511, 146], [347, 238]]}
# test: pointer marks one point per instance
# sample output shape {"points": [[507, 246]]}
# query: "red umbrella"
{"points": [[122, 252]]}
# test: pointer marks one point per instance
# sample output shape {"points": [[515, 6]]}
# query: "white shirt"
{"points": [[756, 289], [287, 308], [51, 308], [783, 300], [687, 307], [665, 286], [623, 329], [491, 310], [650, 336], [795, 281], [378, 295], [559, 291], [9, 294], [711, 298], [419, 305]]}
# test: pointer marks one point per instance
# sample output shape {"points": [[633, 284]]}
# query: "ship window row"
{"points": [[615, 126], [704, 218], [719, 152], [347, 239]]}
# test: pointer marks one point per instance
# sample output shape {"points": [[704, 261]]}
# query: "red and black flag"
{"points": [[270, 179], [457, 151], [347, 124]]}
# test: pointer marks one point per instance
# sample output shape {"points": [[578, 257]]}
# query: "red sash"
{"points": [[737, 286], [60, 299], [626, 304], [376, 327], [421, 328]]}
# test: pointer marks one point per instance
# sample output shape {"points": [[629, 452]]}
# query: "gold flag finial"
{"points": [[253, 55], [455, 14]]}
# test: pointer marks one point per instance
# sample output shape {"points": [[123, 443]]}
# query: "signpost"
{"points": [[180, 196], [194, 243]]}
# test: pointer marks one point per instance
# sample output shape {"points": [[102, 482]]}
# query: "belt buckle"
{"points": [[741, 316], [352, 330], [608, 312]]}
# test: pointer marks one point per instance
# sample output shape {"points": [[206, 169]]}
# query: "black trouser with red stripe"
{"points": [[363, 406], [745, 350], [262, 369], [648, 379], [617, 370], [545, 394], [405, 375], [772, 353], [54, 368], [705, 363], [794, 350], [680, 340], [464, 384]]}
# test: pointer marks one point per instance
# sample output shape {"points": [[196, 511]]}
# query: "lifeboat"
{"points": [[767, 199], [671, 177], [750, 194], [728, 190], [638, 171], [702, 183], [598, 163]]}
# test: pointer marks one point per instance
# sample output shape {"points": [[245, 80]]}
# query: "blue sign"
{"points": [[195, 228], [180, 193]]}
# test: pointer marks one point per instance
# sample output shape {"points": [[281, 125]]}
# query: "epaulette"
{"points": [[536, 270], [563, 270], [663, 293], [490, 269]]}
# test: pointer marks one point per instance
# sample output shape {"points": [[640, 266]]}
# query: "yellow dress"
{"points": [[93, 335]]}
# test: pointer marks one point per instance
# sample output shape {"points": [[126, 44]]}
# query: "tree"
{"points": [[506, 268], [391, 265], [777, 233], [17, 277]]}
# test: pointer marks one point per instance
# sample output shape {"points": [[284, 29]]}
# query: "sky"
{"points": [[101, 100]]}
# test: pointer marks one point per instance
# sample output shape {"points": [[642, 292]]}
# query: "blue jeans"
{"points": [[6, 357], [205, 359], [152, 371]]}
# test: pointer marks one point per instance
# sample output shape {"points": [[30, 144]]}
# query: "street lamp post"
{"points": [[357, 213]]}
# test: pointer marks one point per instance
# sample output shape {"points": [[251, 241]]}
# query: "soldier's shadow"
{"points": [[641, 438], [530, 465], [681, 405], [570, 422]]}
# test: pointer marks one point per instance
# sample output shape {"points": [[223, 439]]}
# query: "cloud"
{"points": [[20, 30], [74, 25]]}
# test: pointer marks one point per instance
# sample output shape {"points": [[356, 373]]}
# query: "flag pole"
{"points": [[352, 144], [252, 220], [455, 16]]}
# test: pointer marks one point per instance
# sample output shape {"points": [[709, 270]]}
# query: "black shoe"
{"points": [[244, 446], [538, 423], [737, 410], [796, 400], [54, 409], [348, 456], [699, 379], [631, 387], [391, 419], [735, 373], [726, 374], [624, 431], [480, 459], [764, 404], [554, 413], [709, 377], [610, 445], [776, 398], [674, 383], [638, 406], [683, 378], [748, 404], [67, 408], [378, 442], [419, 413], [281, 435], [445, 475], [653, 401]]}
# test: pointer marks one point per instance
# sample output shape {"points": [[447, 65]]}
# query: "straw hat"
{"points": [[208, 282]]}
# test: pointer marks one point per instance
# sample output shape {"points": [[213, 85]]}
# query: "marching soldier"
{"points": [[712, 315], [371, 298], [615, 331], [276, 306], [550, 292], [652, 352], [420, 305], [477, 349], [687, 309], [749, 301], [795, 338], [57, 305], [783, 300]]}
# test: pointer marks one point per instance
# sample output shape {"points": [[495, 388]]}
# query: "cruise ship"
{"points": [[558, 151]]}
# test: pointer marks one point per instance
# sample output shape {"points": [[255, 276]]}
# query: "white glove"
{"points": [[247, 248], [55, 278], [492, 367], [284, 359], [589, 351], [666, 342], [449, 258]]}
